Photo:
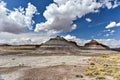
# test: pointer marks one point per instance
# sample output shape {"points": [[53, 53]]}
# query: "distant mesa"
{"points": [[58, 43], [61, 46], [5, 45], [93, 44]]}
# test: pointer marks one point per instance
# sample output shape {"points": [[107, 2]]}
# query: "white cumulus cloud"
{"points": [[113, 24], [32, 38], [88, 20], [17, 20], [79, 41], [110, 4], [60, 14], [23, 38], [113, 43], [109, 32], [30, 10]]}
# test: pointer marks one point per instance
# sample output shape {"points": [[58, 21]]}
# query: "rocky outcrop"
{"points": [[58, 42], [93, 44], [58, 45]]}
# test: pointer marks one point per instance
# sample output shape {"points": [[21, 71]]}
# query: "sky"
{"points": [[36, 21]]}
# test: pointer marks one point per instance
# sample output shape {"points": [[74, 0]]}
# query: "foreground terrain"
{"points": [[36, 67], [14, 67], [27, 63], [105, 67]]}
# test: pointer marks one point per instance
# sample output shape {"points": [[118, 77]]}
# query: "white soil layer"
{"points": [[11, 76], [36, 61]]}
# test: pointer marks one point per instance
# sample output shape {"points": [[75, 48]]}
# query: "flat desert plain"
{"points": [[91, 65], [14, 67]]}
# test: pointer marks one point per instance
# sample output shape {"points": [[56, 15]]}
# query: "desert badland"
{"points": [[59, 39], [59, 59]]}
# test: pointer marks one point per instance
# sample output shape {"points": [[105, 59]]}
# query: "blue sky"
{"points": [[102, 21], [95, 29]]}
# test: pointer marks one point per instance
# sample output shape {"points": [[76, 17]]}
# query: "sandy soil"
{"points": [[37, 62]]}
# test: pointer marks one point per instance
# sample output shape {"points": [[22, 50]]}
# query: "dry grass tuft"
{"points": [[103, 66]]}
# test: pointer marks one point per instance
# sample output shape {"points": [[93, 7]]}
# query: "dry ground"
{"points": [[59, 67], [59, 72], [105, 67], [36, 51], [14, 67]]}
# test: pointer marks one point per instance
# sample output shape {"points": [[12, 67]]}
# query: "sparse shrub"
{"points": [[117, 76], [92, 63], [105, 65], [91, 67], [96, 73], [80, 76], [100, 77], [111, 70], [21, 65], [104, 56], [13, 58], [101, 69], [89, 73], [63, 63]]}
